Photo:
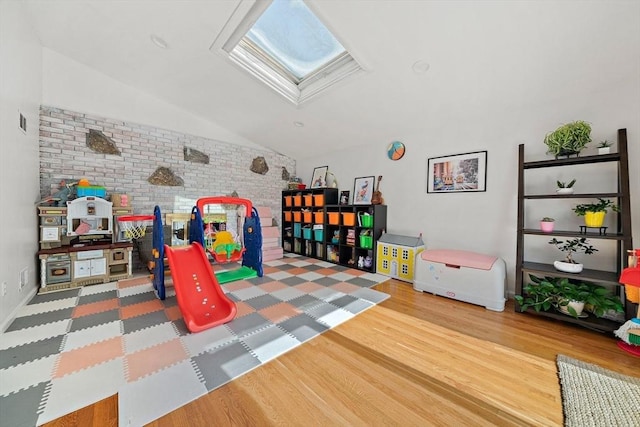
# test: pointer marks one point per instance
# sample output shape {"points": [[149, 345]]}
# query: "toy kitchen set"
{"points": [[81, 243]]}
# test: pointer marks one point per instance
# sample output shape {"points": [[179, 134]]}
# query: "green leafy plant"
{"points": [[568, 139], [604, 144], [565, 185], [557, 292], [574, 245], [602, 206], [547, 219]]}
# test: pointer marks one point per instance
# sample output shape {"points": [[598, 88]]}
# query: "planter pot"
{"points": [[604, 150], [564, 191], [567, 267], [594, 219], [547, 226], [578, 306]]}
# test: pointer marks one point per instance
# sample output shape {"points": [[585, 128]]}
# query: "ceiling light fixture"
{"points": [[298, 124], [420, 67], [158, 41]]}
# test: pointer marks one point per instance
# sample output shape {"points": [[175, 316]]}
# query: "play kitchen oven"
{"points": [[58, 269]]}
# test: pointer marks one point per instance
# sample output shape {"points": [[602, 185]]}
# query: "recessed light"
{"points": [[298, 124], [158, 41], [420, 67]]}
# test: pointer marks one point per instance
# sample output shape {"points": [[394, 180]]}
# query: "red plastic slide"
{"points": [[202, 302]]}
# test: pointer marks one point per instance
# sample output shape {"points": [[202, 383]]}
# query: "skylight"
{"points": [[288, 48]]}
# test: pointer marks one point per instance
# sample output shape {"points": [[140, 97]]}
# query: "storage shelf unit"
{"points": [[621, 235], [311, 217]]}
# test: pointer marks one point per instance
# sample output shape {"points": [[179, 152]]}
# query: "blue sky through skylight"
{"points": [[295, 37]]}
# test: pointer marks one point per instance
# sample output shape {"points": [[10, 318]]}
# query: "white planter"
{"points": [[564, 191], [567, 267], [578, 306], [604, 150]]}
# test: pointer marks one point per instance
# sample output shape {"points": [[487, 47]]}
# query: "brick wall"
{"points": [[64, 155]]}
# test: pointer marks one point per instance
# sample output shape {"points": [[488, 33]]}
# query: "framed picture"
{"points": [[344, 197], [363, 190], [319, 178], [458, 173]]}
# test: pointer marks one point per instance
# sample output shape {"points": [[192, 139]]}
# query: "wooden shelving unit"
{"points": [[622, 233]]}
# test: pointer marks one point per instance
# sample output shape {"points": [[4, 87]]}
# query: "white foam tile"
{"points": [[325, 264], [379, 278], [208, 340], [311, 276], [82, 388], [301, 263], [336, 317], [148, 337], [327, 294], [92, 335], [98, 289], [270, 343], [287, 294], [153, 396], [33, 334], [274, 263], [279, 275], [248, 293], [343, 277], [135, 290], [26, 375], [45, 307]]}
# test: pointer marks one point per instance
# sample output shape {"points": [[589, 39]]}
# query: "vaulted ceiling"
{"points": [[480, 55]]}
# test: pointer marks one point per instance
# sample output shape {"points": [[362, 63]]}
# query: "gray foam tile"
{"points": [[21, 409], [303, 327], [102, 296], [40, 319], [145, 321], [33, 351], [221, 365], [92, 320]]}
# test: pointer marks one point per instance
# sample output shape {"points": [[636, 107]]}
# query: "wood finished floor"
{"points": [[416, 359]]}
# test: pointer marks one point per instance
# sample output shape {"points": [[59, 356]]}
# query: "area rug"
{"points": [[69, 349], [594, 396]]}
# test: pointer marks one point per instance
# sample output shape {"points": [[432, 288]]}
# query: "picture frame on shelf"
{"points": [[319, 177], [363, 190], [344, 197], [460, 173]]}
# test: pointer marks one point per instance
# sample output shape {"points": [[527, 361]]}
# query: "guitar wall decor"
{"points": [[377, 199]]}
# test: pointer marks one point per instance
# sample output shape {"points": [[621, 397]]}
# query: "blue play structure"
{"points": [[249, 251]]}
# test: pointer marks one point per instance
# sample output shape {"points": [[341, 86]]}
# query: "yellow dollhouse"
{"points": [[396, 255]]}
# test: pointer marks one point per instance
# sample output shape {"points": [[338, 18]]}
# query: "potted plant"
{"points": [[546, 224], [569, 265], [594, 212], [604, 147], [568, 139], [565, 188], [568, 296]]}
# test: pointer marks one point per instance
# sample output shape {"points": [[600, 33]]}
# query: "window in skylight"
{"points": [[287, 47]]}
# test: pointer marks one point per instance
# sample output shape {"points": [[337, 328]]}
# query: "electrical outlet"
{"points": [[24, 278], [4, 288]]}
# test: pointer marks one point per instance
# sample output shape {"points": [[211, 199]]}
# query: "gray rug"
{"points": [[594, 396]]}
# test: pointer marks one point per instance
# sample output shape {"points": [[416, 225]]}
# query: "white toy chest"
{"points": [[462, 275]]}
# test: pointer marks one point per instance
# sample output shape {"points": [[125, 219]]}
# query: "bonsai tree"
{"points": [[568, 139], [547, 219], [602, 206], [604, 144], [574, 245], [565, 185]]}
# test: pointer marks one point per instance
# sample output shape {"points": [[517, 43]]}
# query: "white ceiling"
{"points": [[484, 56]]}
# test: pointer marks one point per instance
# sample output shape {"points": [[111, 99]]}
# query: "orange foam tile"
{"points": [[136, 281], [308, 287], [87, 356], [236, 286], [345, 288], [272, 286], [268, 270], [136, 310], [355, 272], [243, 309], [95, 307], [296, 271], [279, 312], [325, 271], [152, 359], [173, 313]]}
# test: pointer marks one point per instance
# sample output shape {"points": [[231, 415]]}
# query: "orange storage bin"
{"points": [[308, 199], [318, 217], [334, 218], [297, 200], [306, 216], [318, 199], [287, 201], [297, 216], [348, 218], [288, 216]]}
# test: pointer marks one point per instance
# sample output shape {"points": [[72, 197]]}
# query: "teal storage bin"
{"points": [[297, 230], [318, 235], [306, 233]]}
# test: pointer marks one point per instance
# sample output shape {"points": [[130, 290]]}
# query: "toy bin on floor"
{"points": [[297, 230], [465, 276]]}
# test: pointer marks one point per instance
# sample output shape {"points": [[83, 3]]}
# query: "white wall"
{"points": [[486, 222], [20, 90], [71, 85]]}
